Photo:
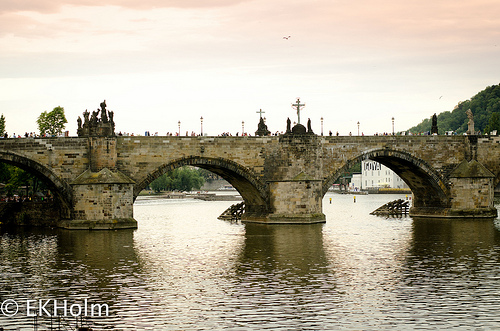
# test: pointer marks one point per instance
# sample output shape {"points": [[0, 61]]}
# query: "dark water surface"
{"points": [[185, 270]]}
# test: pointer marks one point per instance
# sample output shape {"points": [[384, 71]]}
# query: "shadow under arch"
{"points": [[425, 183], [496, 182], [251, 188], [61, 189]]}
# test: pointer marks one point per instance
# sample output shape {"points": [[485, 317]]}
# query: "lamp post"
{"points": [[393, 126], [242, 127], [179, 123], [321, 125], [201, 120], [358, 128]]}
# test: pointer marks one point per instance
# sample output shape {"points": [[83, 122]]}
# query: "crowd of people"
{"points": [[17, 198], [228, 134], [25, 135]]}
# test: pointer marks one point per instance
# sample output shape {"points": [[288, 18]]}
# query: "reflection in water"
{"points": [[282, 278], [185, 270], [451, 274], [67, 265], [295, 247]]}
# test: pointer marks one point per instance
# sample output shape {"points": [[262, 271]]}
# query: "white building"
{"points": [[374, 174]]}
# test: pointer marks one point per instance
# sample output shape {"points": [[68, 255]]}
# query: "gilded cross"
{"points": [[298, 105]]}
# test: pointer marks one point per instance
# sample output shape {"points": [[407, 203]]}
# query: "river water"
{"points": [[183, 269]]}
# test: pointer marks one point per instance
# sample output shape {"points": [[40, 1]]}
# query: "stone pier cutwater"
{"points": [[97, 176]]}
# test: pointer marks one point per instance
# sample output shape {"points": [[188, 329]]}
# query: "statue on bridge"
{"points": [[262, 129], [86, 115], [94, 126], [470, 130], [434, 127], [309, 129], [298, 129], [103, 105]]}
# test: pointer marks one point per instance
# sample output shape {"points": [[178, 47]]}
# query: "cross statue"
{"points": [[298, 105], [260, 112]]}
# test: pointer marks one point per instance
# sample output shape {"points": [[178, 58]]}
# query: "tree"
{"points": [[180, 179], [2, 125], [162, 183], [15, 178], [483, 105], [493, 124], [52, 123], [207, 175]]}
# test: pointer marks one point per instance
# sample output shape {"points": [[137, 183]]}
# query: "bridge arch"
{"points": [[427, 186], [253, 191], [58, 186]]}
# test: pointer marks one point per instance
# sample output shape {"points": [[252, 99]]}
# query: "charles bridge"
{"points": [[282, 179]]}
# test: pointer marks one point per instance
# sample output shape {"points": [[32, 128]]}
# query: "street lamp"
{"points": [[179, 123], [321, 125], [201, 120], [242, 127], [358, 128], [393, 126]]}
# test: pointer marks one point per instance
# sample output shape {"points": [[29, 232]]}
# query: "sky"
{"points": [[158, 62]]}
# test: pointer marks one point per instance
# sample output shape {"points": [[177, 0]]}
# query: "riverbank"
{"points": [[206, 196]]}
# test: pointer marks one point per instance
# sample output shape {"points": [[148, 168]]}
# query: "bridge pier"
{"points": [[294, 181], [470, 194], [101, 201], [296, 201]]}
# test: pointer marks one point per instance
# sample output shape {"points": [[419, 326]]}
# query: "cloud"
{"points": [[51, 6]]}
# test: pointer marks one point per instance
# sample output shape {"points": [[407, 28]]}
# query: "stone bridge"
{"points": [[282, 179]]}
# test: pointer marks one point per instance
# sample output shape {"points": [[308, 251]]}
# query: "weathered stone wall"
{"points": [[140, 156], [443, 153], [102, 201], [105, 205], [29, 214], [64, 156], [479, 193], [294, 170], [488, 153], [57, 161], [102, 153]]}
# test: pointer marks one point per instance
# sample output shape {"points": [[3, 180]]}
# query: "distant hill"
{"points": [[485, 107]]}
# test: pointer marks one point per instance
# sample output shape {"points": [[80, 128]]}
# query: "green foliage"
{"points": [[493, 123], [2, 125], [355, 169], [16, 179], [52, 123], [485, 107], [4, 172], [208, 175], [180, 179]]}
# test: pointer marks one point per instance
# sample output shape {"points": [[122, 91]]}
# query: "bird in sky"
{"points": [[286, 37]]}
